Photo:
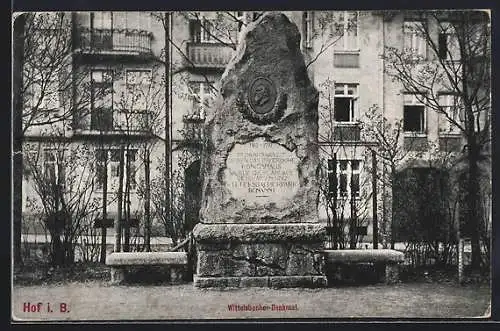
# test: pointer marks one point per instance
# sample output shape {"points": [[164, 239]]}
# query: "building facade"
{"points": [[118, 62]]}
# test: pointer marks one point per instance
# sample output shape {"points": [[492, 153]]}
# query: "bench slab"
{"points": [[146, 258], [363, 255]]}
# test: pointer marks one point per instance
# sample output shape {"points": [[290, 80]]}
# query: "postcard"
{"points": [[225, 165]]}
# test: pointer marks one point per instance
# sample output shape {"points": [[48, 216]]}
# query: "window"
{"points": [[53, 169], [202, 94], [414, 39], [101, 100], [108, 168], [451, 111], [414, 114], [343, 178], [332, 178], [102, 20], [132, 20], [138, 83], [102, 30], [130, 159], [202, 30], [347, 31], [449, 48], [307, 19], [49, 165], [345, 102]]}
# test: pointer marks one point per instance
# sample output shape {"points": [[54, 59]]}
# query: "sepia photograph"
{"points": [[251, 165]]}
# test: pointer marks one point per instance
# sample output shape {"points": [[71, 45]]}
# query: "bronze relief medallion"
{"points": [[262, 95]]}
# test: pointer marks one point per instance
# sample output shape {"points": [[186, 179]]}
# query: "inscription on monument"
{"points": [[261, 171]]}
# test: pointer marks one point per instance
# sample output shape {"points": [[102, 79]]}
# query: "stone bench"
{"points": [[387, 257], [120, 262]]}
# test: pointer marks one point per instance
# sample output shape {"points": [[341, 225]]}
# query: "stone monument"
{"points": [[258, 218]]}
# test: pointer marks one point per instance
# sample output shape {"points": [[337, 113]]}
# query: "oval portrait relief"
{"points": [[262, 95]]}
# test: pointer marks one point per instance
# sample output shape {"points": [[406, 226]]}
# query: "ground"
{"points": [[96, 300], [86, 294]]}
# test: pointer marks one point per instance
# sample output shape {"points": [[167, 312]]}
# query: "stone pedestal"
{"points": [[259, 255], [258, 216]]}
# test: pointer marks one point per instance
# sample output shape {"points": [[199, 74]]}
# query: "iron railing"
{"points": [[118, 121], [347, 132], [209, 55], [114, 40]]}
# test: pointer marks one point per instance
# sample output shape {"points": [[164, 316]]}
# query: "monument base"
{"points": [[268, 281], [260, 255]]}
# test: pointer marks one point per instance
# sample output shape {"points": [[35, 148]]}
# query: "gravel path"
{"points": [[98, 301]]}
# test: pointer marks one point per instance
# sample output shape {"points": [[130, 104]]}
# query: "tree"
{"points": [[43, 88], [167, 193], [143, 111], [343, 190], [385, 137], [60, 174], [458, 61]]}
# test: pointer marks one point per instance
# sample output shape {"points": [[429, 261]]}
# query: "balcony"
{"points": [[114, 41], [110, 122], [347, 132], [209, 55]]}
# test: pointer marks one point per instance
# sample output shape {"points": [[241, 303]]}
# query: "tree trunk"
{"points": [[336, 227], [17, 141], [393, 221], [167, 116], [126, 239], [473, 196], [374, 200], [353, 222], [147, 203], [104, 213], [118, 228]]}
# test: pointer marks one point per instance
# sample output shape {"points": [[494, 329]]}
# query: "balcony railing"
{"points": [[347, 132], [115, 122], [138, 121], [209, 55], [114, 40]]}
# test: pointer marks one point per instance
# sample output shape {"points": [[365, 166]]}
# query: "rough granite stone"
{"points": [[291, 281], [273, 282], [301, 264], [254, 282], [223, 233], [270, 49], [271, 259]]}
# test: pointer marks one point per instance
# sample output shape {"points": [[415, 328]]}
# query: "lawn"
{"points": [[96, 300]]}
